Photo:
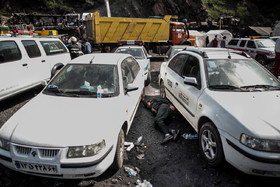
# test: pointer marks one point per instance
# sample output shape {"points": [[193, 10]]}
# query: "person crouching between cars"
{"points": [[163, 110]]}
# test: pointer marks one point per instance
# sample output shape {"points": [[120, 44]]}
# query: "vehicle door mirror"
{"points": [[165, 58], [149, 56], [190, 81], [130, 88]]}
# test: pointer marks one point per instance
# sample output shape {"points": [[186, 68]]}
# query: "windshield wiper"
{"points": [[261, 86], [224, 87]]}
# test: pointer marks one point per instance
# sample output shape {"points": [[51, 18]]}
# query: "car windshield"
{"points": [[135, 52], [80, 80], [267, 43], [239, 75]]}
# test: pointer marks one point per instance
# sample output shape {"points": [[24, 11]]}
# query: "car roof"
{"points": [[130, 46], [100, 58], [28, 38], [217, 53]]}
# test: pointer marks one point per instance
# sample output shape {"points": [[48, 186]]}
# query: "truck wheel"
{"points": [[210, 144], [261, 59], [119, 155], [162, 90]]}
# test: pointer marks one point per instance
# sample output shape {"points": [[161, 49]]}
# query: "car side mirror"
{"points": [[130, 88], [149, 56], [190, 81]]}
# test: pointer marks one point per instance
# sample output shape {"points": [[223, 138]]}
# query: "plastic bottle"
{"points": [[139, 140], [99, 91], [189, 136], [130, 171]]}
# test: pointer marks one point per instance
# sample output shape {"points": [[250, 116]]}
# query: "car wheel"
{"points": [[119, 155], [162, 90], [147, 82], [210, 144], [261, 59]]}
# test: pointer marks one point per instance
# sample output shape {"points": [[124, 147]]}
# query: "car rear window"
{"points": [[31, 48], [233, 42], [9, 51], [53, 47]]}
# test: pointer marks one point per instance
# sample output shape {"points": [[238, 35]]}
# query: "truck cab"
{"points": [[178, 34]]}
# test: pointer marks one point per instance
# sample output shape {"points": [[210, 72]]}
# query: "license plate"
{"points": [[41, 168]]}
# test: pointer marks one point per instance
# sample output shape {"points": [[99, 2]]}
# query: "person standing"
{"points": [[163, 110], [276, 71], [223, 42], [215, 41], [86, 47], [73, 47]]}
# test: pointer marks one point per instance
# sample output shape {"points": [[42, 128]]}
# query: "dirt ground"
{"points": [[175, 164]]}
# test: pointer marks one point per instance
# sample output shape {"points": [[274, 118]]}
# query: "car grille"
{"points": [[44, 153]]}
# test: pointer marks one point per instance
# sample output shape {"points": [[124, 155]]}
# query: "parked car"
{"points": [[76, 127], [28, 62], [232, 102], [141, 55], [173, 50], [262, 50]]}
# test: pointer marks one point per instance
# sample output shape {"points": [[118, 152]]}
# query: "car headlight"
{"points": [[5, 144], [260, 144], [86, 150]]}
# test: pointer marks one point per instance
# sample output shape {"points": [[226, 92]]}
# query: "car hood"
{"points": [[257, 111], [64, 121]]}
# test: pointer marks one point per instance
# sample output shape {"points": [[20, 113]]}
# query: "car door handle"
{"points": [[24, 65], [176, 84], [43, 60], [165, 73]]}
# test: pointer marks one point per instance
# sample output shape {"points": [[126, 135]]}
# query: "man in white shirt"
{"points": [[276, 70]]}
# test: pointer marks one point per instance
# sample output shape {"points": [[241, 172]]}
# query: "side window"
{"points": [[251, 44], [192, 69], [176, 64], [242, 43], [31, 48], [126, 74], [53, 47], [9, 51], [133, 66], [233, 42]]}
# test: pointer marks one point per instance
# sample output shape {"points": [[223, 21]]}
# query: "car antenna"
{"points": [[229, 57], [90, 62]]}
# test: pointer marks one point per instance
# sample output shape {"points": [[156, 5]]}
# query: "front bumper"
{"points": [[251, 161], [59, 167]]}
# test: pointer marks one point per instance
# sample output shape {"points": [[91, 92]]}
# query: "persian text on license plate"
{"points": [[41, 168]]}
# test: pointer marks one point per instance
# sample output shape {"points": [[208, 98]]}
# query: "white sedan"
{"points": [[67, 131], [141, 55], [232, 102]]}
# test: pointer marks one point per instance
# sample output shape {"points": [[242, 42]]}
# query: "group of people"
{"points": [[76, 48], [216, 42]]}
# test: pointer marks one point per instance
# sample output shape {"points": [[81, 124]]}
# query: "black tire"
{"points": [[148, 81], [162, 89], [119, 155], [210, 144], [262, 59]]}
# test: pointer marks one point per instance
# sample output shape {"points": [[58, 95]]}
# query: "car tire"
{"points": [[148, 81], [210, 144], [162, 89], [119, 155], [262, 59]]}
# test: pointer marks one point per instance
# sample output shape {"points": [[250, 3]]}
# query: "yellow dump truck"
{"points": [[47, 32], [108, 31]]}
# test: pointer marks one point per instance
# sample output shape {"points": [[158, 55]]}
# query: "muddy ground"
{"points": [[176, 164]]}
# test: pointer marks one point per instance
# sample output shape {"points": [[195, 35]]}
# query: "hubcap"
{"points": [[208, 144]]}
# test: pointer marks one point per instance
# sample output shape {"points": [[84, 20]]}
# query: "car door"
{"points": [[188, 94], [13, 69], [251, 47], [38, 67], [132, 78], [172, 75]]}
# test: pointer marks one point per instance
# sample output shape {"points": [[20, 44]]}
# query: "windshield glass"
{"points": [[239, 74], [82, 80], [135, 52], [267, 43]]}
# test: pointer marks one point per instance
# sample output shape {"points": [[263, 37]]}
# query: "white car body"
{"points": [[42, 131], [140, 54], [231, 113], [262, 54], [23, 67]]}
